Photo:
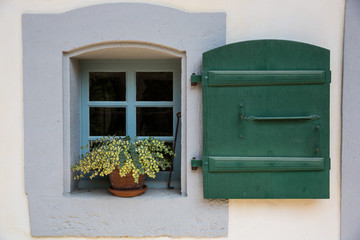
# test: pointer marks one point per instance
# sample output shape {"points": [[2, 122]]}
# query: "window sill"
{"points": [[149, 195], [104, 184]]}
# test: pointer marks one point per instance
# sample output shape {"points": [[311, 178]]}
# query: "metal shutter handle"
{"points": [[254, 118]]}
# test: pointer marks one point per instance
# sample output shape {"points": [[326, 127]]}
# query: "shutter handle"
{"points": [[279, 118], [254, 118]]}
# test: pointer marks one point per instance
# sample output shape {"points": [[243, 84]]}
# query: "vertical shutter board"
{"points": [[292, 139], [238, 186], [306, 184], [289, 55], [223, 118], [295, 137], [227, 58]]}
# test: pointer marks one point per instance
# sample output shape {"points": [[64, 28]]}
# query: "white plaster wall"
{"points": [[317, 22]]}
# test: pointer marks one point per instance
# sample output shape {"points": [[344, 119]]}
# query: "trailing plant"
{"points": [[140, 156]]}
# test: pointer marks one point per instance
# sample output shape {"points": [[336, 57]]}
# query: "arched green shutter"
{"points": [[266, 120]]}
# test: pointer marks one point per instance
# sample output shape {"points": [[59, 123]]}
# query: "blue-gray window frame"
{"points": [[130, 67]]}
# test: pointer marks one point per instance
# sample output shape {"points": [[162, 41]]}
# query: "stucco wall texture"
{"points": [[316, 22]]}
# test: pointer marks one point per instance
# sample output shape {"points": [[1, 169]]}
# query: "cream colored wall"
{"points": [[317, 22]]}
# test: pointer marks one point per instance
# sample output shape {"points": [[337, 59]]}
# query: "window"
{"points": [[131, 98]]}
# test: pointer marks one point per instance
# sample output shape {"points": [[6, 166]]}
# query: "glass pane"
{"points": [[154, 86], [152, 121], [107, 121], [107, 86]]}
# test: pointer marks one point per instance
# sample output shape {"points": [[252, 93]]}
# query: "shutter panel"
{"points": [[266, 120]]}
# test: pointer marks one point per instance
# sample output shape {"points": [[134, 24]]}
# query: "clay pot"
{"points": [[126, 186]]}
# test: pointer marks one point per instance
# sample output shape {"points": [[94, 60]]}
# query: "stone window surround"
{"points": [[52, 45]]}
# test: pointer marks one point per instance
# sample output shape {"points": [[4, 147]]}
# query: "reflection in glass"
{"points": [[107, 121], [154, 86], [107, 86], [153, 121]]}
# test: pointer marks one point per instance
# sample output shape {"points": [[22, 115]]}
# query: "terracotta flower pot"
{"points": [[126, 186]]}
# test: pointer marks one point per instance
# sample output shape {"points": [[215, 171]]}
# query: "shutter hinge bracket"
{"points": [[195, 79], [195, 163]]}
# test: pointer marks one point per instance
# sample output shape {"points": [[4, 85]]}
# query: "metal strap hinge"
{"points": [[195, 163], [195, 79]]}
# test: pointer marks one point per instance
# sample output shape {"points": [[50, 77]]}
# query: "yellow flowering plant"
{"points": [[140, 156]]}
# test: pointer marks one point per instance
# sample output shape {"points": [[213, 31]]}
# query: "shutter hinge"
{"points": [[195, 79], [195, 163]]}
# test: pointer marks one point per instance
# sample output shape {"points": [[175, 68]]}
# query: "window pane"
{"points": [[107, 86], [107, 121], [154, 86], [152, 121]]}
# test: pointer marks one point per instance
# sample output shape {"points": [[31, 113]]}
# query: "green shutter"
{"points": [[266, 120]]}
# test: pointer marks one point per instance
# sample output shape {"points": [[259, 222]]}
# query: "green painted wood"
{"points": [[195, 78], [242, 78], [279, 111], [268, 164], [196, 163]]}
